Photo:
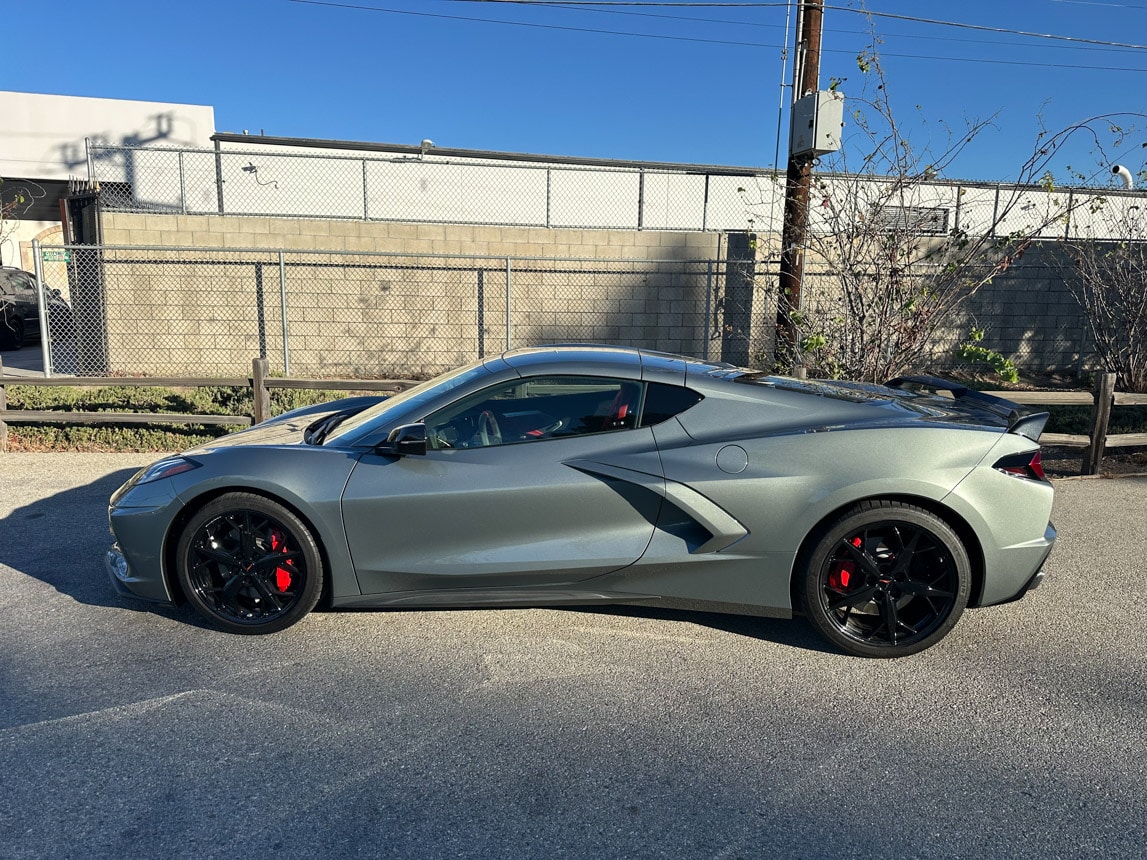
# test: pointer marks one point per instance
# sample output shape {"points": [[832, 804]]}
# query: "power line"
{"points": [[588, 7], [693, 39], [595, 31], [866, 12]]}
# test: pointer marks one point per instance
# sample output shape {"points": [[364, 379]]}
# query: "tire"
{"points": [[886, 579], [248, 565], [11, 331]]}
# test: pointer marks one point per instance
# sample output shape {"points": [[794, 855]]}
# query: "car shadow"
{"points": [[61, 540], [794, 632]]}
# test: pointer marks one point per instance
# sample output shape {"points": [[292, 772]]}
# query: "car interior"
{"points": [[537, 409]]}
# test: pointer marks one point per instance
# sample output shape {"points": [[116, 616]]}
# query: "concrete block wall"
{"points": [[417, 312], [213, 231], [1027, 313], [414, 311]]}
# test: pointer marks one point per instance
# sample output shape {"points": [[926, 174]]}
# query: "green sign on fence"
{"points": [[56, 256]]}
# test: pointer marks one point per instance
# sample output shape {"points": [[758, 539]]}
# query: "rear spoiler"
{"points": [[1024, 422]]}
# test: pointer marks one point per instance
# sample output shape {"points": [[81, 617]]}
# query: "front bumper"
{"points": [[135, 563], [127, 584]]}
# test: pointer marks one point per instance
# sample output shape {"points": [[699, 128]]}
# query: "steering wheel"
{"points": [[488, 430]]}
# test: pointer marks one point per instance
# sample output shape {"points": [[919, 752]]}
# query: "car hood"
{"points": [[290, 427]]}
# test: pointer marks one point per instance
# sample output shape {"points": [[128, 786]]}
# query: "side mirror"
{"points": [[404, 440]]}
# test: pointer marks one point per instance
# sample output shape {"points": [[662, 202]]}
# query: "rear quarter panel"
{"points": [[795, 480]]}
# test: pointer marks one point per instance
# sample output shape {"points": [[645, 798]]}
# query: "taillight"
{"points": [[1028, 464]]}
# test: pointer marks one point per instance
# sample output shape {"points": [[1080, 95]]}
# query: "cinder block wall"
{"points": [[421, 316], [1027, 314], [213, 231], [363, 315]]}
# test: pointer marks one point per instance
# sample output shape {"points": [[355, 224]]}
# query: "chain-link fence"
{"points": [[381, 187], [403, 188], [1027, 315], [200, 311]]}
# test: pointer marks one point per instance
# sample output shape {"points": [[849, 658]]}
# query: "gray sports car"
{"points": [[590, 474]]}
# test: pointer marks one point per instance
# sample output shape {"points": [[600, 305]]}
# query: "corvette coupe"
{"points": [[573, 475]]}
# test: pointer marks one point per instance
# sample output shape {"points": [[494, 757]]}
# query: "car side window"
{"points": [[536, 409], [24, 287], [662, 402]]}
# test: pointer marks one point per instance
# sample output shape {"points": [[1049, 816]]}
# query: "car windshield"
{"points": [[408, 399]]}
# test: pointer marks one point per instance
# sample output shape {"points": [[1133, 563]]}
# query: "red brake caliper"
{"points": [[282, 573], [840, 577]]}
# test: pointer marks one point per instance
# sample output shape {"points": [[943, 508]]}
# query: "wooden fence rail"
{"points": [[259, 381], [1102, 398]]}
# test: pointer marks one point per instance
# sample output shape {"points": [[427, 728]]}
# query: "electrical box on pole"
{"points": [[817, 120]]}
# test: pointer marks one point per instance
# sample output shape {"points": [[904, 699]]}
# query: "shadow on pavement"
{"points": [[61, 540], [794, 632]]}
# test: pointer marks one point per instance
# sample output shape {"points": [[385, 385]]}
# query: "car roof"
{"points": [[624, 361]]}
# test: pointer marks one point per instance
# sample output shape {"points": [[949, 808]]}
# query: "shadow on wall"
{"points": [[415, 315], [114, 160], [718, 309], [1028, 315], [74, 154]]}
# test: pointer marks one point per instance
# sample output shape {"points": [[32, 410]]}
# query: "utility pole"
{"points": [[806, 79]]}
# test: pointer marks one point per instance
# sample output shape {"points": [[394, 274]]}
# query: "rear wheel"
{"points": [[887, 579], [11, 330], [249, 565]]}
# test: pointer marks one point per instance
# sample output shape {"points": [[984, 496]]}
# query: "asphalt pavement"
{"points": [[131, 731], [28, 361]]}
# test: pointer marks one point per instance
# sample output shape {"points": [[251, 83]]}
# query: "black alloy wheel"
{"points": [[249, 565], [887, 579]]}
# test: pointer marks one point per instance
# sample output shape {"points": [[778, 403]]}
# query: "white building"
{"points": [[46, 139]]}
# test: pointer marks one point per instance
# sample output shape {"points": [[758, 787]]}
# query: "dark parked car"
{"points": [[20, 310], [581, 475]]}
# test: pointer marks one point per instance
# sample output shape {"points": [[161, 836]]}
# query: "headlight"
{"points": [[165, 469]]}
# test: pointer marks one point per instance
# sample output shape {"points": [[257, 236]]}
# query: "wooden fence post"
{"points": [[3, 406], [1104, 394], [262, 395]]}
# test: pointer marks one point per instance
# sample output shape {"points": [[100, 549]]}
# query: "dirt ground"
{"points": [[1117, 462]]}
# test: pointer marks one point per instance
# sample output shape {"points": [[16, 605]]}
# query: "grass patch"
{"points": [[139, 437], [1077, 419]]}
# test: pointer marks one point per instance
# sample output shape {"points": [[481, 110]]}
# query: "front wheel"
{"points": [[249, 565], [886, 579]]}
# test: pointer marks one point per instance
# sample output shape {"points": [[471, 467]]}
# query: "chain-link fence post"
{"points": [[182, 186], [365, 194], [219, 176], [708, 306], [481, 313], [283, 312], [260, 310], [705, 208], [507, 304], [42, 302]]}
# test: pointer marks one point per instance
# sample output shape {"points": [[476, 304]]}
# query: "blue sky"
{"points": [[705, 91]]}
